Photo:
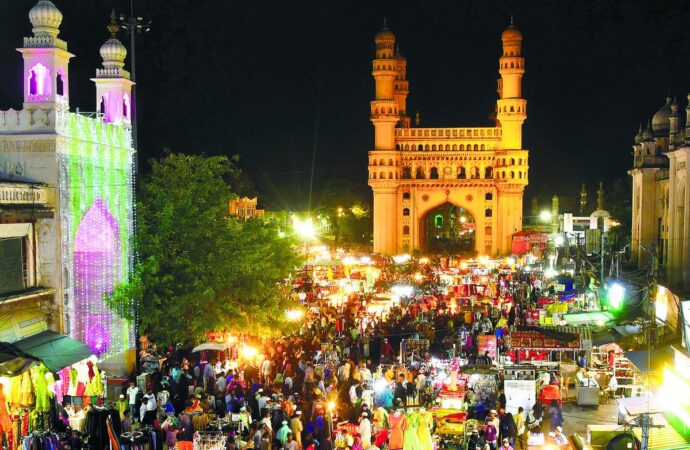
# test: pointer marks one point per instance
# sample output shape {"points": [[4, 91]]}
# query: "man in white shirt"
{"points": [[365, 430], [132, 392]]}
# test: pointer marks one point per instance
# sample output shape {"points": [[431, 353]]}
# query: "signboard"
{"points": [[487, 343], [22, 194], [532, 340]]}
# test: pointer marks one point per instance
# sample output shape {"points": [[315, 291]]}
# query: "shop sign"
{"points": [[487, 343], [533, 340]]}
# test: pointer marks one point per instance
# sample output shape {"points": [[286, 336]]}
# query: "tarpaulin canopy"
{"points": [[218, 346], [642, 359], [56, 350], [13, 361]]}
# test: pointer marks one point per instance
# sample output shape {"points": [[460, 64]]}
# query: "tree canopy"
{"points": [[200, 270]]}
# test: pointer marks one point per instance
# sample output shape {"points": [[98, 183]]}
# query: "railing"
{"points": [[449, 133]]}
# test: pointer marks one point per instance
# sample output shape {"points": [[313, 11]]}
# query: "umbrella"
{"points": [[13, 361], [210, 346]]}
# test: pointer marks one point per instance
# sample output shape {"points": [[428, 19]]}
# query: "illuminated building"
{"points": [[244, 208], [85, 162], [455, 189], [660, 189]]}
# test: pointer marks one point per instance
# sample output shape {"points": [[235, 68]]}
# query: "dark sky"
{"points": [[250, 77]]}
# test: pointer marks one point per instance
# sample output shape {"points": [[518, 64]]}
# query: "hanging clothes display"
{"points": [[41, 392], [27, 390], [410, 438], [97, 426], [5, 420], [95, 384], [397, 423], [424, 430]]}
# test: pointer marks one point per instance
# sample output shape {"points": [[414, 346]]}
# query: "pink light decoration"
{"points": [[97, 256], [38, 85]]}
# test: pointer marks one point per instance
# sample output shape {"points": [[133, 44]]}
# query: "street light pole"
{"points": [[134, 25]]}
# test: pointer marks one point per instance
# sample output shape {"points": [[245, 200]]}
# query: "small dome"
{"points": [[45, 18], [660, 121], [385, 37], [647, 134], [113, 53], [511, 34], [638, 136]]}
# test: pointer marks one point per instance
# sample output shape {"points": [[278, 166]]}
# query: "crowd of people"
{"points": [[322, 378]]}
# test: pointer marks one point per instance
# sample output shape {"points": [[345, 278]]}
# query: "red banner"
{"points": [[536, 341]]}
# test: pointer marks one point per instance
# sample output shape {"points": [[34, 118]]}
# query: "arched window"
{"points": [[512, 161], [125, 106], [462, 146], [420, 173], [474, 173], [406, 212], [520, 175], [382, 176], [447, 146], [488, 196], [420, 147], [461, 173], [406, 230], [434, 173], [406, 173], [488, 212], [476, 147], [512, 174], [397, 146], [390, 162], [487, 231], [101, 106], [426, 147], [406, 195], [433, 147], [33, 82], [59, 85], [390, 175], [382, 162], [488, 172], [455, 146], [504, 161], [373, 162], [438, 221]]}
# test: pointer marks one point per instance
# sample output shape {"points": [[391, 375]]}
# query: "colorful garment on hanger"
{"points": [[38, 377], [397, 423], [27, 390], [410, 438], [424, 430], [5, 419]]}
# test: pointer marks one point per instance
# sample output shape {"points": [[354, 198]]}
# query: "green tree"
{"points": [[199, 269]]}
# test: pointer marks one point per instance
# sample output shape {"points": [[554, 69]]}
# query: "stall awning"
{"points": [[13, 361], [657, 358], [56, 350], [218, 346], [605, 337]]}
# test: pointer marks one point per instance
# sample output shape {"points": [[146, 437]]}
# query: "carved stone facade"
{"points": [[660, 202], [461, 187]]}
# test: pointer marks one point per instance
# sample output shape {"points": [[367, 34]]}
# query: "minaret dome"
{"points": [[45, 18]]}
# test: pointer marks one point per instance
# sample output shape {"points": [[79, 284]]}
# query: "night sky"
{"points": [[251, 77]]}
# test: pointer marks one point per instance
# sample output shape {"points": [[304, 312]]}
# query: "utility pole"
{"points": [[134, 25], [601, 259]]}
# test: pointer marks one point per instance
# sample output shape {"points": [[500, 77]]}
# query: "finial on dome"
{"points": [[512, 20], [385, 22], [45, 18], [112, 51], [113, 26]]}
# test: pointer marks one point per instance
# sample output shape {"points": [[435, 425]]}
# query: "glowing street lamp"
{"points": [[616, 295], [545, 216], [304, 228], [558, 241]]}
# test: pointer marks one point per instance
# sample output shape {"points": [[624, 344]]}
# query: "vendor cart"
{"points": [[450, 427]]}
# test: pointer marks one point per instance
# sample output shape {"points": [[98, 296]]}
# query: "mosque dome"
{"points": [[113, 53], [385, 36], [45, 18], [660, 121], [511, 33]]}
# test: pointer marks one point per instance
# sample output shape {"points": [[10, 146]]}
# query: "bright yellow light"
{"points": [[424, 260], [675, 392], [463, 265], [545, 216], [331, 406], [463, 219], [418, 276], [249, 352], [294, 315], [304, 228], [661, 304]]}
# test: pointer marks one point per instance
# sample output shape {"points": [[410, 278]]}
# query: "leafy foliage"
{"points": [[199, 269]]}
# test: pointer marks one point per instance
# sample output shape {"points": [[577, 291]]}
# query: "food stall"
{"points": [[520, 387]]}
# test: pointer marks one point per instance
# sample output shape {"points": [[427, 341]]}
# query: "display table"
{"points": [[587, 396]]}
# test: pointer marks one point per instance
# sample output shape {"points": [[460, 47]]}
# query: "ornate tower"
{"points": [[46, 59], [402, 88], [384, 160], [113, 86], [511, 106], [511, 112]]}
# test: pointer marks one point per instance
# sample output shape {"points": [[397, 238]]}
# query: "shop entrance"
{"points": [[448, 229]]}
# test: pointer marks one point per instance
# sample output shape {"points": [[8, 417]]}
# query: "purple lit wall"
{"points": [[97, 259]]}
